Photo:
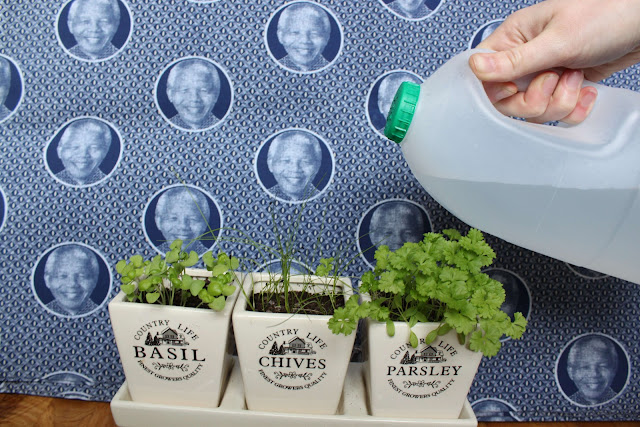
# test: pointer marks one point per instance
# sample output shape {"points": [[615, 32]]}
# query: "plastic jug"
{"points": [[569, 192]]}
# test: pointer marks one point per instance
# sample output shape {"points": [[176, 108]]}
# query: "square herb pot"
{"points": [[174, 355], [430, 381], [290, 362]]}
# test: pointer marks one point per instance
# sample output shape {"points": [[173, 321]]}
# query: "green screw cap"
{"points": [[401, 112]]}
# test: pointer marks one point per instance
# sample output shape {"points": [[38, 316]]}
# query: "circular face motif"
{"points": [[381, 96], [483, 32], [94, 30], [585, 272], [275, 267], [194, 94], [494, 410], [592, 370], [414, 10], [182, 212], [83, 152], [517, 295], [71, 280], [68, 378], [3, 208], [11, 87], [294, 165], [303, 37], [393, 223]]}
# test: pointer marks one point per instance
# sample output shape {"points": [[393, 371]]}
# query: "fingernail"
{"points": [[588, 100], [483, 63], [574, 79], [549, 84]]}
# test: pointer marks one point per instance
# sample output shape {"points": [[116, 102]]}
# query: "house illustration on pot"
{"points": [[428, 354], [299, 346], [295, 346], [169, 337]]}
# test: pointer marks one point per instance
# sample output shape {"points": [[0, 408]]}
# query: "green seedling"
{"points": [[296, 291], [164, 281]]}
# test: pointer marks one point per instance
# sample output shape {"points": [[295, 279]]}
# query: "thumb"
{"points": [[511, 64]]}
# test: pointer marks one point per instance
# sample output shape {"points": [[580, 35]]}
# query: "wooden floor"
{"points": [[22, 410]]}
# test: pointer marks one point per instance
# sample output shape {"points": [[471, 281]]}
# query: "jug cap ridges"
{"points": [[401, 112]]}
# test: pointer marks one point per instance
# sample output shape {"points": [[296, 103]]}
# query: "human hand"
{"points": [[561, 43]]}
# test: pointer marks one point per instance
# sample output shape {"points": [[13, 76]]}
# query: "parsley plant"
{"points": [[436, 280]]}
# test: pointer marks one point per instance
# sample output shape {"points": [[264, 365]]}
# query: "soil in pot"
{"points": [[299, 302]]}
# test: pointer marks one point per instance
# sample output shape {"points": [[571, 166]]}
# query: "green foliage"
{"points": [[164, 281], [436, 280], [325, 268], [342, 319], [296, 291], [302, 293]]}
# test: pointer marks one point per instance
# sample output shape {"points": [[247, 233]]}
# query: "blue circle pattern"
{"points": [[42, 212]]}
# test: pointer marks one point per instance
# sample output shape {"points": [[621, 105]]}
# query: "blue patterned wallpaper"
{"points": [[72, 205]]}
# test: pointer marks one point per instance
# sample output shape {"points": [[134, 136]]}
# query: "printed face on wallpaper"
{"points": [[294, 160], [304, 30], [5, 80], [396, 223], [10, 87], [93, 24], [82, 148], [592, 365], [193, 87], [392, 223], [180, 214], [71, 275]]}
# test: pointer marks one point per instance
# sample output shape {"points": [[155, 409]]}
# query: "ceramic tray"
{"points": [[232, 411]]}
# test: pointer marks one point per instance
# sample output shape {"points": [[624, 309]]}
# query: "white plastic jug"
{"points": [[569, 192]]}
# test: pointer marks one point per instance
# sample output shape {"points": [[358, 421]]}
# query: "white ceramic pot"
{"points": [[430, 381], [174, 355], [290, 363]]}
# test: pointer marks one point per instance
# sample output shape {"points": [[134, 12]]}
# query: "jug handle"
{"points": [[616, 112]]}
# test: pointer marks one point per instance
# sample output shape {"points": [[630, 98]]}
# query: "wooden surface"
{"points": [[23, 410]]}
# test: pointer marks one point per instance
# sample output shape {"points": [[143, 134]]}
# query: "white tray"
{"points": [[232, 411]]}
